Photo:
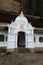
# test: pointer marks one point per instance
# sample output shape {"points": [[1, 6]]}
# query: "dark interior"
{"points": [[21, 39]]}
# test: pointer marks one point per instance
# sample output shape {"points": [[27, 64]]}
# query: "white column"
{"points": [[30, 41], [36, 38], [16, 40], [26, 43]]}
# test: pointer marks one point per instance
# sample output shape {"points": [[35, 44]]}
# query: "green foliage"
{"points": [[3, 49]]}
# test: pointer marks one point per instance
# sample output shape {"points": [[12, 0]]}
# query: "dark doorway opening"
{"points": [[21, 39]]}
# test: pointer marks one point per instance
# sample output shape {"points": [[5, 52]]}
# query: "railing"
{"points": [[3, 44]]}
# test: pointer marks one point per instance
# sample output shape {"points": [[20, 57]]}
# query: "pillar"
{"points": [[16, 35]]}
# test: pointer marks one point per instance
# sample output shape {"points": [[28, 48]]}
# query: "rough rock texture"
{"points": [[10, 5], [16, 58]]}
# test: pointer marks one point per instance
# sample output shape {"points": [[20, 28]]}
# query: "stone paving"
{"points": [[16, 58]]}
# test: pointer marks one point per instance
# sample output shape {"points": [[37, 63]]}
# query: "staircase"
{"points": [[23, 50]]}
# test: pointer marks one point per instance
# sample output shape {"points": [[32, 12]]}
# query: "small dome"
{"points": [[21, 20], [21, 17]]}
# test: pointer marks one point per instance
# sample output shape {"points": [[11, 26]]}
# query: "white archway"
{"points": [[20, 24]]}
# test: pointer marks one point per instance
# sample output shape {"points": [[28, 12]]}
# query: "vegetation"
{"points": [[3, 49]]}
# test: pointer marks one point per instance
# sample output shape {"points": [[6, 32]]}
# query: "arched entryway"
{"points": [[21, 39]]}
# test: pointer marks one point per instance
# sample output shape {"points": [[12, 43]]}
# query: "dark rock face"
{"points": [[34, 7]]}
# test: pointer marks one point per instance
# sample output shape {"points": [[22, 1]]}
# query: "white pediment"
{"points": [[21, 21]]}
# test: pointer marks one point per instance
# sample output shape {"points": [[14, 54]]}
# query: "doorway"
{"points": [[21, 39]]}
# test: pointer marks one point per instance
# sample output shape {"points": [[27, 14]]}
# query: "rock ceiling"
{"points": [[10, 5], [14, 6]]}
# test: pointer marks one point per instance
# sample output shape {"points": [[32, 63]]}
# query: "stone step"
{"points": [[23, 50]]}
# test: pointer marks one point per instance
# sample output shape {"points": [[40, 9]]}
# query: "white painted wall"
{"points": [[20, 24], [37, 43]]}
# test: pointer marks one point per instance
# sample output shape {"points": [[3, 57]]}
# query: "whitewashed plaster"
{"points": [[37, 43], [20, 24]]}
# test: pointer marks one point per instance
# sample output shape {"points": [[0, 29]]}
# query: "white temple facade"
{"points": [[20, 25], [21, 33]]}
